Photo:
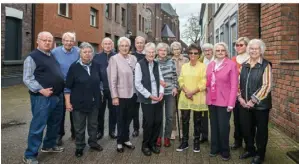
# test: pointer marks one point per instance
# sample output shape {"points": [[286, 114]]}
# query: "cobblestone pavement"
{"points": [[16, 117]]}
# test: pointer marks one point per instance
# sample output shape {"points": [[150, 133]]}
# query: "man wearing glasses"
{"points": [[65, 56]]}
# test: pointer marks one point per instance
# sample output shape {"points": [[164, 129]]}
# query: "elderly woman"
{"points": [[192, 80], [255, 100], [207, 56], [150, 93], [241, 57], [179, 60], [82, 97], [168, 70], [120, 76], [222, 87]]}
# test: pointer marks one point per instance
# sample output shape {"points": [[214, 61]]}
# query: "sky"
{"points": [[184, 11]]}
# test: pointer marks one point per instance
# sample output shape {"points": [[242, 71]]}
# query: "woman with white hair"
{"points": [[208, 55], [168, 70], [179, 60], [82, 97], [150, 93], [255, 99], [222, 87], [120, 73]]}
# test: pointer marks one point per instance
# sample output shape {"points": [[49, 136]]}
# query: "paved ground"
{"points": [[16, 117]]}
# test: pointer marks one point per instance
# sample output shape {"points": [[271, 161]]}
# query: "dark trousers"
{"points": [[61, 132], [152, 114], [46, 111], [135, 113], [112, 113], [80, 119], [196, 121], [124, 117], [204, 124], [219, 120], [237, 134], [254, 125]]}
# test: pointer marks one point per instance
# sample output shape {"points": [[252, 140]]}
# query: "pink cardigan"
{"points": [[226, 84]]}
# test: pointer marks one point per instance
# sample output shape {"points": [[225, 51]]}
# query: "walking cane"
{"points": [[177, 114]]}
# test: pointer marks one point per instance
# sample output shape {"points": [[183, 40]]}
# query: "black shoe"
{"points": [[257, 160], [79, 153], [247, 155], [120, 150], [236, 146], [135, 133], [183, 146], [146, 151], [225, 156], [132, 147], [97, 147], [155, 149], [59, 141], [196, 147], [203, 140], [112, 135], [99, 135], [213, 154]]}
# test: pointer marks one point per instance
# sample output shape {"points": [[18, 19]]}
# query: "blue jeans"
{"points": [[46, 111]]}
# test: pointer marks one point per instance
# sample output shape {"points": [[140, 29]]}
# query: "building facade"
{"points": [[16, 41], [170, 17], [85, 20]]}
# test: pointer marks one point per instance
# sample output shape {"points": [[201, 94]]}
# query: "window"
{"points": [[233, 38], [123, 16], [217, 36], [107, 35], [93, 17], [63, 9], [221, 34], [139, 22], [57, 42], [117, 13], [108, 11], [148, 21], [142, 24], [115, 42]]}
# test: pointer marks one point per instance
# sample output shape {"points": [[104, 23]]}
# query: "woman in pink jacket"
{"points": [[222, 86]]}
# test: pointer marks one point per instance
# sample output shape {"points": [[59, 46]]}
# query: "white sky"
{"points": [[184, 11]]}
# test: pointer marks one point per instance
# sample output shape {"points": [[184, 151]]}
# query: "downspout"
{"points": [[33, 27]]}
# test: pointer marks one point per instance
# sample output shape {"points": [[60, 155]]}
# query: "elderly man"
{"points": [[206, 58], [65, 56], [44, 80], [101, 61], [139, 54]]}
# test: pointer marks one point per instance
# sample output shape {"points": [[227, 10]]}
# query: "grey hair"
{"points": [[123, 39], [69, 34], [162, 45], [140, 37], [148, 46], [43, 33], [244, 39], [225, 47], [175, 44], [258, 42], [86, 45], [207, 46], [105, 39]]}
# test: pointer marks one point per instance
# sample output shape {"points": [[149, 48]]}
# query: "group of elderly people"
{"points": [[210, 85]]}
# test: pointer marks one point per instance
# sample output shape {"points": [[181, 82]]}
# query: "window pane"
{"points": [[62, 9]]}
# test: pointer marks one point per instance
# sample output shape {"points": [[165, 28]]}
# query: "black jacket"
{"points": [[251, 80]]}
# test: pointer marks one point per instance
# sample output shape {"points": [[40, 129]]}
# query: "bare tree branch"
{"points": [[191, 32]]}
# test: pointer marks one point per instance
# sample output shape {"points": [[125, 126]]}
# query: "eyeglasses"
{"points": [[68, 41], [45, 40], [220, 50], [239, 45], [193, 53]]}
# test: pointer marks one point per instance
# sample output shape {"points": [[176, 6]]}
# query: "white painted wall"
{"points": [[205, 20]]}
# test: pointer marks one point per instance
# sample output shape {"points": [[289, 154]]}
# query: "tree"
{"points": [[191, 31]]}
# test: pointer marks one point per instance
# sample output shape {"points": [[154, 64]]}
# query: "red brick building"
{"points": [[278, 26], [86, 20]]}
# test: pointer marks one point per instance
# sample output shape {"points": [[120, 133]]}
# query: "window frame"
{"points": [[67, 10]]}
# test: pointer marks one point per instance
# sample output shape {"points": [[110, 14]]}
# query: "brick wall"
{"points": [[26, 38], [279, 30], [47, 19]]}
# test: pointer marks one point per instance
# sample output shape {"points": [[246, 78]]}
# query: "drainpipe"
{"points": [[33, 27]]}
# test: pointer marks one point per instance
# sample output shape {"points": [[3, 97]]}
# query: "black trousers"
{"points": [[196, 123], [112, 113], [204, 124], [80, 119], [135, 112], [254, 125], [219, 120], [124, 117], [152, 114], [61, 131], [237, 134]]}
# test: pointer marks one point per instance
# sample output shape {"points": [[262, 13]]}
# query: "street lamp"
{"points": [[128, 34]]}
